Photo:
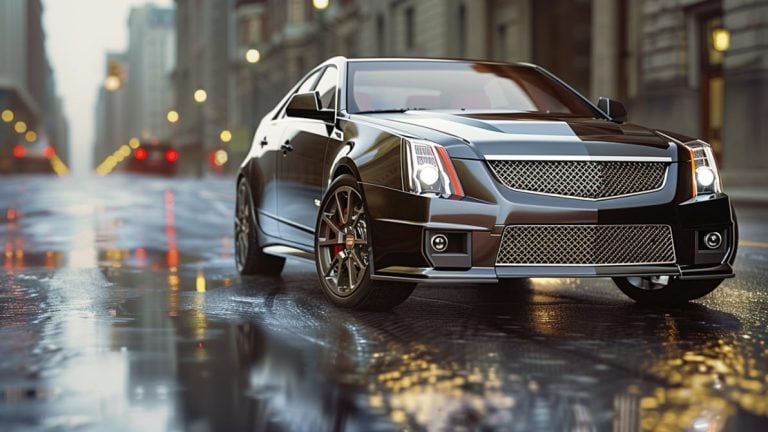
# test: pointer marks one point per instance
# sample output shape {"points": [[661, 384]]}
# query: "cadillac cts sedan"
{"points": [[392, 172]]}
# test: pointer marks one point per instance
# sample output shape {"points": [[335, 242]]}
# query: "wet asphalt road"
{"points": [[120, 309]]}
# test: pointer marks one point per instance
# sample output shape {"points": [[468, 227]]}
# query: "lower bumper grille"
{"points": [[586, 245]]}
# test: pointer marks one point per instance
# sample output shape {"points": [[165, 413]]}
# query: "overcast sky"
{"points": [[78, 35]]}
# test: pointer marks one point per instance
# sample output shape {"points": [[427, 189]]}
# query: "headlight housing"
{"points": [[430, 170], [706, 178]]}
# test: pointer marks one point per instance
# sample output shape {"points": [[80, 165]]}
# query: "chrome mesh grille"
{"points": [[580, 179], [586, 245]]}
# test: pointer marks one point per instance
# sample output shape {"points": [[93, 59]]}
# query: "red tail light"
{"points": [[171, 155], [19, 151], [49, 152], [140, 154]]}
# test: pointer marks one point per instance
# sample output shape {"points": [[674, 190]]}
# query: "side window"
{"points": [[327, 88]]}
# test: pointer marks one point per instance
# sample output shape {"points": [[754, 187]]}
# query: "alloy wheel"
{"points": [[342, 242]]}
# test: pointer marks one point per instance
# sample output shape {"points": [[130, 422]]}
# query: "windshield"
{"points": [[427, 85]]}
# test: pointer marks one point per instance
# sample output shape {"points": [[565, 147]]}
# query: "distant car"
{"points": [[153, 157], [391, 172]]}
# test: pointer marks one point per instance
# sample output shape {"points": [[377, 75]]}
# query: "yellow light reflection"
{"points": [[20, 127], [200, 282], [30, 136], [134, 143], [172, 116]]}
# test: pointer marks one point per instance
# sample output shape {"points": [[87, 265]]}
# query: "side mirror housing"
{"points": [[613, 109], [307, 105]]}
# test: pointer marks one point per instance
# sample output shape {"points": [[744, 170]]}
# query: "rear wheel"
{"points": [[249, 258], [342, 252], [660, 291]]}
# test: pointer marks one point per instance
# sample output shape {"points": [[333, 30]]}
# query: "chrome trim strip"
{"points": [[671, 233], [578, 158], [287, 251], [436, 225]]}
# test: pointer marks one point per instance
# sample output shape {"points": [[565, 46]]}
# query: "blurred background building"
{"points": [[697, 67], [137, 92], [32, 125]]}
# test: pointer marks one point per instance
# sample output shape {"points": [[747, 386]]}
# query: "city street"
{"points": [[121, 309]]}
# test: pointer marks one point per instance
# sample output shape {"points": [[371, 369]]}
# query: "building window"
{"points": [[713, 41], [380, 36], [462, 30], [296, 11], [410, 41], [501, 38]]}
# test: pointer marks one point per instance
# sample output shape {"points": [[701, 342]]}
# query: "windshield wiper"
{"points": [[390, 110]]}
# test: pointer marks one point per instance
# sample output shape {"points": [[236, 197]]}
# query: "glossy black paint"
{"points": [[287, 182]]}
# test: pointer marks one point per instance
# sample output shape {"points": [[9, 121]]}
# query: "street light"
{"points": [[721, 39], [30, 136], [252, 56], [20, 127], [112, 83], [201, 96], [7, 116], [134, 143], [225, 136], [320, 4], [172, 116]]}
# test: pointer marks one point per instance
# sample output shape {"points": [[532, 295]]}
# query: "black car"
{"points": [[392, 172], [153, 157]]}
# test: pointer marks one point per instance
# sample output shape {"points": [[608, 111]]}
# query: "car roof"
{"points": [[428, 59]]}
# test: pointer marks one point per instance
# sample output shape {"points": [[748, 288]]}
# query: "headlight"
{"points": [[705, 175], [430, 170]]}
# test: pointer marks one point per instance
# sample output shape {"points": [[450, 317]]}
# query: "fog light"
{"points": [[713, 240], [439, 242], [705, 176]]}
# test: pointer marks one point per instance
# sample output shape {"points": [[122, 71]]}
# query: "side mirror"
{"points": [[613, 108], [307, 105]]}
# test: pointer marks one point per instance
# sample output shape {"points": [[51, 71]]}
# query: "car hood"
{"points": [[481, 135]]}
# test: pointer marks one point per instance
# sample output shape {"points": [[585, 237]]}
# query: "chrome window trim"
{"points": [[671, 234]]}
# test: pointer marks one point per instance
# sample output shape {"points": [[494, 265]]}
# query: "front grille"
{"points": [[586, 245], [580, 179]]}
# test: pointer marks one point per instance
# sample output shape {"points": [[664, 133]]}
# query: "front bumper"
{"points": [[400, 233]]}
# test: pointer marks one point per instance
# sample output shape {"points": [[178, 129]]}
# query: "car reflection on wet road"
{"points": [[120, 309]]}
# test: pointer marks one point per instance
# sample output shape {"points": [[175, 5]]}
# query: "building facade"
{"points": [[32, 116], [202, 80], [698, 67]]}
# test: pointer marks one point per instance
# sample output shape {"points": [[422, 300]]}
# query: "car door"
{"points": [[267, 151], [301, 166]]}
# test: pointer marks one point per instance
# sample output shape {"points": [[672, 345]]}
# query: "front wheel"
{"points": [[343, 250], [652, 290]]}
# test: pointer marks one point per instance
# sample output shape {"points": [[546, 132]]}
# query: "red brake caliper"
{"points": [[338, 247]]}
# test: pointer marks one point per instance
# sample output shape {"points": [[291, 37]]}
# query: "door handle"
{"points": [[264, 142], [286, 147]]}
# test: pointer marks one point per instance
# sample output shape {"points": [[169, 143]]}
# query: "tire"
{"points": [[676, 292], [249, 258], [342, 251]]}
